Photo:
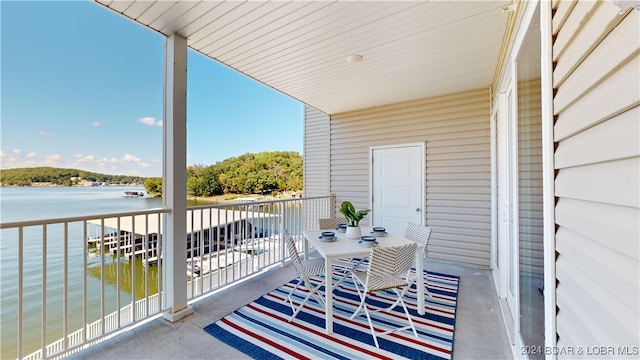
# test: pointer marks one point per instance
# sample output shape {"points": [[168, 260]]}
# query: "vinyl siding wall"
{"points": [[316, 152], [597, 159], [316, 163], [455, 129]]}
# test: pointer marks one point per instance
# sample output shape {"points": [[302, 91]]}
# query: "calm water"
{"points": [[21, 204]]}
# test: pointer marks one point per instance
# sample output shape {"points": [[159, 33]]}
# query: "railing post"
{"points": [[174, 189], [283, 212]]}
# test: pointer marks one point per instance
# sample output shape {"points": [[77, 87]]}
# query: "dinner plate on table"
{"points": [[368, 243], [379, 234], [328, 239]]}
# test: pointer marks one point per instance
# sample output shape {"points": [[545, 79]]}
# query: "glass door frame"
{"points": [[523, 24]]}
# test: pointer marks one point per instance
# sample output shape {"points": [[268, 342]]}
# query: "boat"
{"points": [[133, 194]]}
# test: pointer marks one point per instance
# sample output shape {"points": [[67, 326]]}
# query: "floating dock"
{"points": [[208, 230]]}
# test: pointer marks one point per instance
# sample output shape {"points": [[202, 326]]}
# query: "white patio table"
{"points": [[348, 248]]}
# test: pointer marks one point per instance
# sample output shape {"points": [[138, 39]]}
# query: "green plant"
{"points": [[352, 216]]}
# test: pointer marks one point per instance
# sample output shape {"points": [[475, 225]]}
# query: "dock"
{"points": [[208, 231]]}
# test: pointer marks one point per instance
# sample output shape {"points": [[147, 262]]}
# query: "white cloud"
{"points": [[15, 159], [82, 159], [54, 160], [53, 157], [96, 123], [123, 163], [43, 134], [126, 164], [130, 158], [150, 121]]}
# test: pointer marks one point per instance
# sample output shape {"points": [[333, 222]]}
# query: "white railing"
{"points": [[248, 242], [82, 279]]}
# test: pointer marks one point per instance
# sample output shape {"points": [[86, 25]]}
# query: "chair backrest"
{"points": [[418, 233], [293, 253], [331, 223], [390, 261]]}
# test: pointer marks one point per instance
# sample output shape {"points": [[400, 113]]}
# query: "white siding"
{"points": [[316, 152], [455, 129], [597, 134]]}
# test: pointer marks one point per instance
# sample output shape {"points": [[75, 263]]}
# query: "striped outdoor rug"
{"points": [[261, 329]]}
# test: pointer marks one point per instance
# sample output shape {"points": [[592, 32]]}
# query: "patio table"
{"points": [[342, 248]]}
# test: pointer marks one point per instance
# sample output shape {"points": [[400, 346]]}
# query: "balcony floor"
{"points": [[479, 334]]}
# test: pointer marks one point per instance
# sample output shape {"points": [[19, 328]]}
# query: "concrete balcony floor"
{"points": [[480, 332]]}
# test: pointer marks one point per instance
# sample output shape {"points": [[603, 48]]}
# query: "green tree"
{"points": [[153, 186], [60, 176], [248, 173]]}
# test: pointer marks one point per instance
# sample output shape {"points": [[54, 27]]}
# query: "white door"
{"points": [[397, 186]]}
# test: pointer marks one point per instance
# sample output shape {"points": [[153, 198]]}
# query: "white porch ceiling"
{"points": [[411, 49]]}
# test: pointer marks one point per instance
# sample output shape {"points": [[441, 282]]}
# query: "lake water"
{"points": [[37, 203], [40, 203]]}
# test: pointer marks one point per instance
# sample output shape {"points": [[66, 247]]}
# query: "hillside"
{"points": [[44, 176], [251, 173]]}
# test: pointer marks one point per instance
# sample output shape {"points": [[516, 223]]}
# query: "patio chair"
{"points": [[387, 269], [305, 270], [420, 234], [330, 223]]}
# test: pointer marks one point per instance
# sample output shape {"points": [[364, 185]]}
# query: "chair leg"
{"points": [[362, 297], [404, 291], [297, 310], [426, 291], [353, 264], [313, 291], [373, 331], [317, 295], [291, 292], [406, 311]]}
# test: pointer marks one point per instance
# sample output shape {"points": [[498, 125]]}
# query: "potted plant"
{"points": [[353, 218]]}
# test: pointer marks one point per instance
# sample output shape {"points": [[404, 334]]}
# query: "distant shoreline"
{"points": [[217, 199], [74, 186]]}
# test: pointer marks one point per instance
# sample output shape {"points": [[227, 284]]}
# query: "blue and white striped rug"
{"points": [[262, 331]]}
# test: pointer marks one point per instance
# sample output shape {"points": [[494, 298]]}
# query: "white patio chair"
{"points": [[387, 269], [420, 234], [305, 270], [331, 223]]}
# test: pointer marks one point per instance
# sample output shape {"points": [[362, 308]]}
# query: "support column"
{"points": [[174, 175]]}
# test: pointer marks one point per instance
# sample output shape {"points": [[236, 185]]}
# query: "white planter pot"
{"points": [[353, 232]]}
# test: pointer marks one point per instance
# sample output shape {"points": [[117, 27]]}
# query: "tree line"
{"points": [[251, 173], [61, 176]]}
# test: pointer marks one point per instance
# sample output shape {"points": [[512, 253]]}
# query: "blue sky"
{"points": [[81, 87]]}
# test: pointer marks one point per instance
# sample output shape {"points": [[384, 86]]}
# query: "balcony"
{"points": [[233, 256]]}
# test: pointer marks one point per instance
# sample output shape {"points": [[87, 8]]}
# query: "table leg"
{"points": [[328, 298], [420, 279]]}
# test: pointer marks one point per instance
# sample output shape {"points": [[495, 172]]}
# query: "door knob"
{"points": [[417, 209]]}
